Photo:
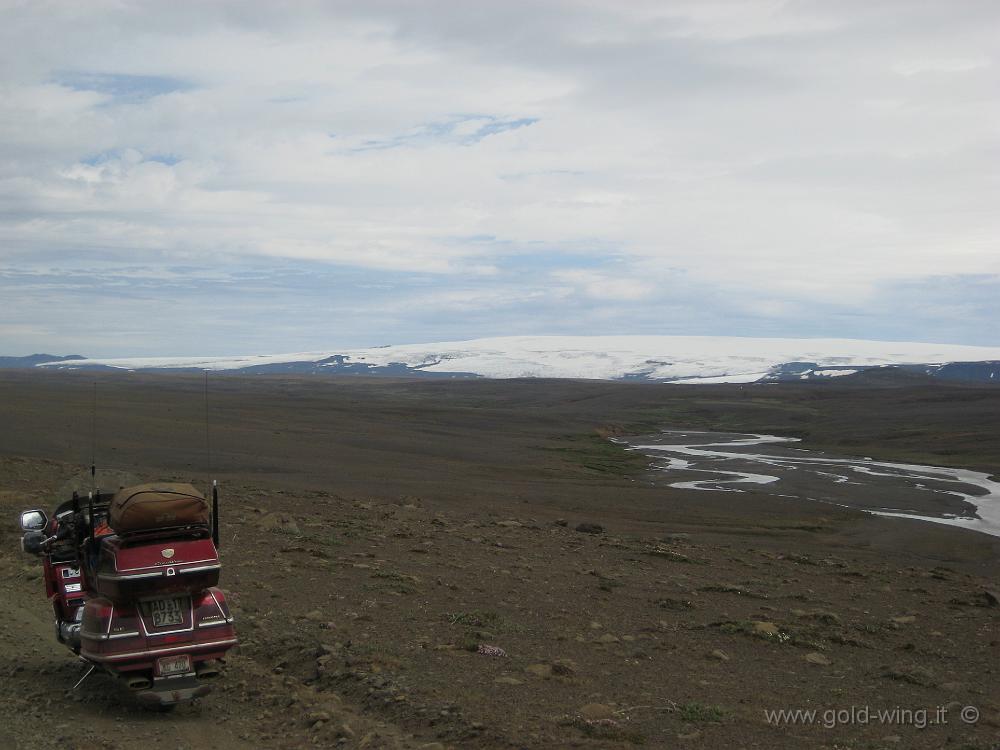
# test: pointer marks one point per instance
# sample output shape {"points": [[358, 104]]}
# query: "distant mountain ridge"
{"points": [[668, 359], [32, 360]]}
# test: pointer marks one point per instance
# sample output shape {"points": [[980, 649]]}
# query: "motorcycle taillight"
{"points": [[124, 623], [97, 617], [212, 609]]}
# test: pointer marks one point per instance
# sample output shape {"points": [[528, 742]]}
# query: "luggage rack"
{"points": [[141, 536]]}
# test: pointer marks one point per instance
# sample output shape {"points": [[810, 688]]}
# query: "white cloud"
{"points": [[603, 286], [942, 65], [790, 151]]}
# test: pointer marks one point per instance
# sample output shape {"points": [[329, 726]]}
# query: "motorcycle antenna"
{"points": [[208, 442], [215, 513], [208, 462], [93, 441], [90, 517]]}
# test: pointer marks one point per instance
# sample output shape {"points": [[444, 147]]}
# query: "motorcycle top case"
{"points": [[130, 570], [147, 507]]}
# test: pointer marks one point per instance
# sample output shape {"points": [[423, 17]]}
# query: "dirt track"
{"points": [[377, 534]]}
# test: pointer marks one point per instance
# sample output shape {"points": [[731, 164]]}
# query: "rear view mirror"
{"points": [[33, 520]]}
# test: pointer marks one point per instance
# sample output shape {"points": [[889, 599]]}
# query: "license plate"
{"points": [[165, 612], [174, 664]]}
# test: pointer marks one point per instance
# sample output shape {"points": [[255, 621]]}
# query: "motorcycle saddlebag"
{"points": [[147, 507]]}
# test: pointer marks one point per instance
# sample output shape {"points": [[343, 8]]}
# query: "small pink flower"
{"points": [[490, 650]]}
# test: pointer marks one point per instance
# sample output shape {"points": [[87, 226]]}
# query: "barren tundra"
{"points": [[475, 564]]}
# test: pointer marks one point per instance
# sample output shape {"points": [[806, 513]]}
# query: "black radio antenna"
{"points": [[208, 442], [208, 463], [93, 441]]}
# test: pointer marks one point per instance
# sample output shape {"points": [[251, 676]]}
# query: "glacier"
{"points": [[678, 359]]}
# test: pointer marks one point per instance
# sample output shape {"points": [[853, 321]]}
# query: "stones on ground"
{"points": [[543, 671], [822, 616], [508, 681], [951, 706], [674, 604], [674, 538], [590, 528], [279, 522], [992, 598], [915, 675], [564, 667], [510, 524], [903, 620], [596, 711], [719, 655], [815, 657], [608, 638], [668, 554], [765, 628]]}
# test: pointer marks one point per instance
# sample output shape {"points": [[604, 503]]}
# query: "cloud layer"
{"points": [[193, 177]]}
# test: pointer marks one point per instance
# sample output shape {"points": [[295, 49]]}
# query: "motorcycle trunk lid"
{"points": [[133, 569]]}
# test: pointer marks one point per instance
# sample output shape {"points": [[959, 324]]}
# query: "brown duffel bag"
{"points": [[146, 507]]}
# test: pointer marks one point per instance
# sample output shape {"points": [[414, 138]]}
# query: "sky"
{"points": [[214, 178]]}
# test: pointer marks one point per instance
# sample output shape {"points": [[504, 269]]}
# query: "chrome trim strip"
{"points": [[199, 569], [131, 576], [106, 637], [155, 651], [166, 562], [212, 624], [133, 634]]}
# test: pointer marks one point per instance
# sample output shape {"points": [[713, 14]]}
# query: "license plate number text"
{"points": [[166, 611]]}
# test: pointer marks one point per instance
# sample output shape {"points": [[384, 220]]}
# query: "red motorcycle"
{"points": [[132, 580]]}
